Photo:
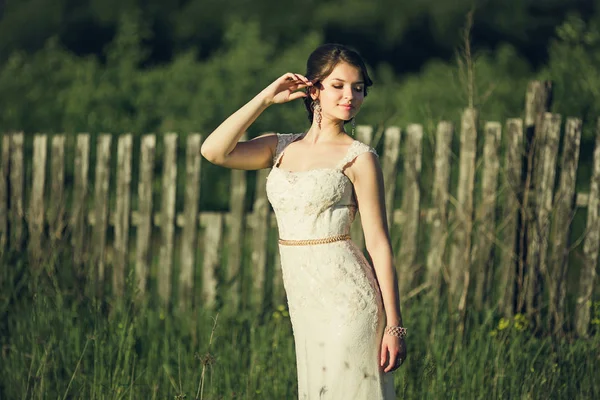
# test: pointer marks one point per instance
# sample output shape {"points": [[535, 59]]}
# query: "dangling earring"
{"points": [[353, 125], [317, 112]]}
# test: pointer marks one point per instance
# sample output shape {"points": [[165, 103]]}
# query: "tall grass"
{"points": [[58, 343]]}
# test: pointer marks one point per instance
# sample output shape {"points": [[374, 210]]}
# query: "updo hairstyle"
{"points": [[323, 60]]}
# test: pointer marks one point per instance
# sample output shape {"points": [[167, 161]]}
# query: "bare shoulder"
{"points": [[365, 165]]}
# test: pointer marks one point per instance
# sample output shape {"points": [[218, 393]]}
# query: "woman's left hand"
{"points": [[393, 352]]}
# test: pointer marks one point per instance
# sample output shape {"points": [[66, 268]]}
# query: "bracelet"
{"points": [[397, 331]]}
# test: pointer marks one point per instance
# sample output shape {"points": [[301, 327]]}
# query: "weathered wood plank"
{"points": [[213, 249], [235, 240], [260, 236], [459, 264], [122, 211], [190, 212], [440, 194], [537, 252], [591, 247], [167, 217], [17, 182], [538, 100], [564, 213], [101, 186], [56, 206], [411, 197], [511, 186], [79, 209], [35, 216], [143, 221], [364, 134], [4, 171], [389, 162], [482, 253]]}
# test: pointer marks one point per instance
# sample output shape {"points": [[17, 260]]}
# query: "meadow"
{"points": [[58, 343]]}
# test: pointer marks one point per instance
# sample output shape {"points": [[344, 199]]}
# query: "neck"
{"points": [[330, 131]]}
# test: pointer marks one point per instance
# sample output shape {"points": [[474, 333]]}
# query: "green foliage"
{"points": [[55, 90], [574, 69], [437, 92]]}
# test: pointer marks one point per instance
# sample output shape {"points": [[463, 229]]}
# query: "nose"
{"points": [[348, 93]]}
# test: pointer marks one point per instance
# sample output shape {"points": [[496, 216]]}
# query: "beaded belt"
{"points": [[291, 242]]}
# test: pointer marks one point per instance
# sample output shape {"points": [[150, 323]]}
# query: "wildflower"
{"points": [[503, 324], [521, 322]]}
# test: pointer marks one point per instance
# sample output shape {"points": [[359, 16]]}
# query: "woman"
{"points": [[339, 304]]}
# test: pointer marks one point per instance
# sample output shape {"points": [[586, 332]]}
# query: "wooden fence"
{"points": [[514, 233]]}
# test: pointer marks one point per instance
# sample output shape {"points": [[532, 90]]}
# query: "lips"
{"points": [[347, 106]]}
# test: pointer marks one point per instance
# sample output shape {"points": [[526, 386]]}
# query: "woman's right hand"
{"points": [[286, 88]]}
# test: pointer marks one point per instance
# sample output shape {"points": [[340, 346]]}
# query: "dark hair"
{"points": [[324, 59]]}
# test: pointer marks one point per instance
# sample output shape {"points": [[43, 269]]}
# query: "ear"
{"points": [[313, 92]]}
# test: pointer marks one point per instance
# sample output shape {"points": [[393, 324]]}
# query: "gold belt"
{"points": [[291, 242]]}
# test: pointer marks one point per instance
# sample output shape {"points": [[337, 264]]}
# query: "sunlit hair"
{"points": [[324, 59]]}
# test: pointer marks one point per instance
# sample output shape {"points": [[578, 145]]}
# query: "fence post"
{"points": [[101, 184], [544, 187], [35, 217], [411, 197], [193, 163], [79, 209], [461, 242], [56, 207], [591, 245], [260, 236], [235, 244], [213, 248], [167, 217], [564, 200], [510, 213], [17, 182], [391, 153], [482, 256], [537, 102], [439, 226], [122, 212], [143, 230], [4, 170]]}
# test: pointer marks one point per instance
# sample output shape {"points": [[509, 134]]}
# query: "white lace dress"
{"points": [[333, 297]]}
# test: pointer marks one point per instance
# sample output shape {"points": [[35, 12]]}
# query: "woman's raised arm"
{"points": [[222, 147]]}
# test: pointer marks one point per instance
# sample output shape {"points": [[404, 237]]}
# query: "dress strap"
{"points": [[356, 148], [283, 140]]}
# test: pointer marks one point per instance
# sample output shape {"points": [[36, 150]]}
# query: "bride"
{"points": [[345, 311]]}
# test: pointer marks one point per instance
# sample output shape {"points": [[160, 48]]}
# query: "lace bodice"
{"points": [[316, 203]]}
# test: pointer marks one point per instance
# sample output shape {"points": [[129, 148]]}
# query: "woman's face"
{"points": [[341, 93]]}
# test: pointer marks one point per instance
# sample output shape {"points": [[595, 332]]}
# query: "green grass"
{"points": [[57, 343]]}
